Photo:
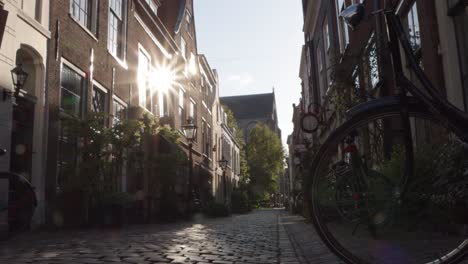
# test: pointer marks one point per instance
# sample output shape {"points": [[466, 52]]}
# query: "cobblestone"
{"points": [[258, 237]]}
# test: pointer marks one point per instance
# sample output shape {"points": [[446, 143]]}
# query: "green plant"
{"points": [[214, 209], [240, 201], [116, 198], [439, 180]]}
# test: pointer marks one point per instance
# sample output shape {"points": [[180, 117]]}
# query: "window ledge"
{"points": [[34, 23], [84, 28], [122, 64], [145, 109]]}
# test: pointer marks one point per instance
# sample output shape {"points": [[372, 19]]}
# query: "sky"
{"points": [[254, 45]]}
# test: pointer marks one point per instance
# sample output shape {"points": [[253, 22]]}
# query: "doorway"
{"points": [[22, 137]]}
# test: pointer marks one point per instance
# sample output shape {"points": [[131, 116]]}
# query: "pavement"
{"points": [[258, 237], [263, 236]]}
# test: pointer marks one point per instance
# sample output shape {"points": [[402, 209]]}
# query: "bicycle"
{"points": [[409, 188], [21, 201]]}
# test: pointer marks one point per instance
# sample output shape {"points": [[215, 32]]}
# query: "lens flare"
{"points": [[162, 78]]}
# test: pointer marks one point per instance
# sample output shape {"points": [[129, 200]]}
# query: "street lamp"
{"points": [[223, 164], [190, 133], [19, 77]]}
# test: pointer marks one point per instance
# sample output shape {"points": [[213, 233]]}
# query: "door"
{"points": [[22, 137]]}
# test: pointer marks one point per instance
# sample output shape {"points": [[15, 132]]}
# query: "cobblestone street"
{"points": [[258, 237]]}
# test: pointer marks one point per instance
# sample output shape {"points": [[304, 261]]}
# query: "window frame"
{"points": [[101, 88], [326, 34], [372, 82], [343, 30], [117, 101], [143, 95], [153, 5], [181, 105], [82, 96], [163, 104], [412, 16], [183, 48], [92, 16], [120, 51]]}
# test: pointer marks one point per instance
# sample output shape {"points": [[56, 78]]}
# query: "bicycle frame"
{"points": [[437, 104]]}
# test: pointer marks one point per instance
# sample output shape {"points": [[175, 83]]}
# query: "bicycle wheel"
{"points": [[362, 213], [349, 202]]}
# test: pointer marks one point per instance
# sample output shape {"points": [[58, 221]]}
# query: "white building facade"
{"points": [[23, 119]]}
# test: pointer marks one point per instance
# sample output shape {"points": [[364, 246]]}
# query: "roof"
{"points": [[250, 106]]}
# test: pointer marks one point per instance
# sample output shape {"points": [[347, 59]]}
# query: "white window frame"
{"points": [[374, 81], [326, 35], [79, 72], [192, 109], [413, 14], [92, 27], [123, 51], [183, 48], [121, 102], [153, 5], [104, 90], [343, 31], [142, 98]]}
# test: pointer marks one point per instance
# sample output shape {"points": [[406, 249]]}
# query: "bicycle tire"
{"points": [[319, 222]]}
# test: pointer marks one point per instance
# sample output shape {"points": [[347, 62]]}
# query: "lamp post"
{"points": [[19, 77], [190, 133], [223, 164]]}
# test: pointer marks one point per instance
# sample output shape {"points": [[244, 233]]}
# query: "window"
{"points": [[204, 137], [208, 141], [357, 84], [183, 48], [163, 104], [188, 17], [153, 6], [460, 18], [322, 72], [192, 110], [71, 92], [117, 28], [144, 87], [38, 11], [98, 103], [343, 33], [319, 59], [414, 31], [326, 35], [182, 106], [373, 73], [85, 13], [119, 112], [67, 154]]}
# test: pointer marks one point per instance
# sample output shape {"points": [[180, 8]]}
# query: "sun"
{"points": [[162, 78]]}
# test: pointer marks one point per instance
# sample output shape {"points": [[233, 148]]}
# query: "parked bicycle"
{"points": [[398, 166], [21, 201]]}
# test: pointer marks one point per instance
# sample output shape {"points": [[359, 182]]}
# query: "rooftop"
{"points": [[250, 106]]}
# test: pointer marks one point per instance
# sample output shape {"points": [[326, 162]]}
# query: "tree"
{"points": [[239, 136], [265, 157]]}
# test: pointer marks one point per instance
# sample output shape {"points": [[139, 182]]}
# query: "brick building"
{"points": [[108, 56], [333, 51]]}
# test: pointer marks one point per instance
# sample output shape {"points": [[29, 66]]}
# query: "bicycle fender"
{"points": [[384, 102]]}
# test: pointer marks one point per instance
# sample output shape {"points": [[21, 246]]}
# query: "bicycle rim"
{"points": [[424, 226]]}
